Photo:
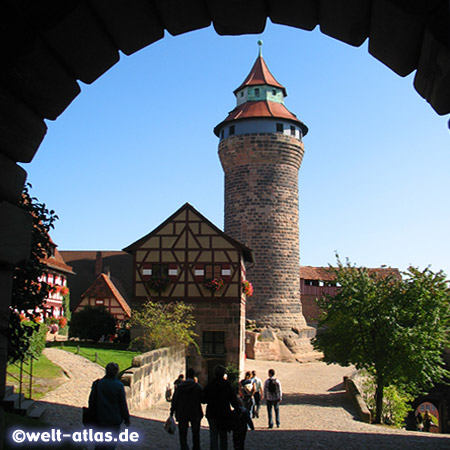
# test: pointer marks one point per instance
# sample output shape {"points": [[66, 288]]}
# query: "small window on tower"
{"points": [[221, 134], [292, 130], [280, 128], [213, 343], [231, 130], [242, 93], [274, 92], [256, 91]]}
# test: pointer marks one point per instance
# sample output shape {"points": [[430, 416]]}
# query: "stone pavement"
{"points": [[315, 413]]}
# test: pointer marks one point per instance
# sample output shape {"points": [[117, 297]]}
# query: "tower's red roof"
{"points": [[260, 74], [261, 109]]}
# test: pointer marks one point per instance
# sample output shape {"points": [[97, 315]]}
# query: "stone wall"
{"points": [[227, 316], [261, 211], [146, 381]]}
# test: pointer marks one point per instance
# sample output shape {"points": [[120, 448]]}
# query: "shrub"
{"points": [[396, 401], [163, 325], [92, 322]]}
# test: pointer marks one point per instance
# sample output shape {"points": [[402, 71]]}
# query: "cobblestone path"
{"points": [[315, 413]]}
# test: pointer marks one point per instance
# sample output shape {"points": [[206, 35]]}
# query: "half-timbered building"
{"points": [[103, 292], [187, 258], [55, 275]]}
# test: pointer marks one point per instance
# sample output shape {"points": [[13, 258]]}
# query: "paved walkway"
{"points": [[315, 413]]}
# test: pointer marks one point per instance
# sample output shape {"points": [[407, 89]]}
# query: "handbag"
{"points": [[89, 414], [170, 425]]}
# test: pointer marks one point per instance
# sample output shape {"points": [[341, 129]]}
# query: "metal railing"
{"points": [[20, 365], [97, 358]]}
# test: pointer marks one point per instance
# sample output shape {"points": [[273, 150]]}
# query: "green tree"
{"points": [[396, 328], [28, 293], [91, 323], [164, 324]]}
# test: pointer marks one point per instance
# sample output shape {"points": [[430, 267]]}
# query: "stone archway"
{"points": [[50, 45]]}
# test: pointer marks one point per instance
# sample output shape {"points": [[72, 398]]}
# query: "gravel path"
{"points": [[315, 413]]}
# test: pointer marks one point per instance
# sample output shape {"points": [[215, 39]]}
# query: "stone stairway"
{"points": [[18, 404]]}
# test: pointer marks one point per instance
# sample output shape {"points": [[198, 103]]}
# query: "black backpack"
{"points": [[272, 386]]}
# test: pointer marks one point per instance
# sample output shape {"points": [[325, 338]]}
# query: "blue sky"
{"points": [[138, 143]]}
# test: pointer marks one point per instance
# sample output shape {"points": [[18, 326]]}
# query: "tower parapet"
{"points": [[261, 150]]}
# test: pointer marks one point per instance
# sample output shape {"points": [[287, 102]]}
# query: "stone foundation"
{"points": [[275, 345]]}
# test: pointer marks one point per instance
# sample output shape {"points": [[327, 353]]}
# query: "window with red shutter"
{"points": [[173, 271], [199, 272], [146, 271]]}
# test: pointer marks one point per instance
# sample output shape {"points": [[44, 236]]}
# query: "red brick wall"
{"points": [[261, 211]]}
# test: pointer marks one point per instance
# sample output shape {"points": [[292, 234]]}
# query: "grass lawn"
{"points": [[46, 377], [105, 353]]}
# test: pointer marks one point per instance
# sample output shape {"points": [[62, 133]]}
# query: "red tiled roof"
{"points": [[261, 109], [57, 262], [83, 262], [104, 287], [324, 274], [260, 74]]}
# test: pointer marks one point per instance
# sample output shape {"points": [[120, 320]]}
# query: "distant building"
{"points": [[55, 275], [316, 282], [187, 258], [89, 264], [103, 292]]}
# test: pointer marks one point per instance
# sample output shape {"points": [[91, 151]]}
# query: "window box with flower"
{"points": [[214, 284], [158, 283], [247, 288]]}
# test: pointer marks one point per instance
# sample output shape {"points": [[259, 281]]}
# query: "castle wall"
{"points": [[261, 211]]}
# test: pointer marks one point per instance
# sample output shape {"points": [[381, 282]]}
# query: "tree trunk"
{"points": [[379, 398]]}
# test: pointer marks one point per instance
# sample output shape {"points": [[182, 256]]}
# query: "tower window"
{"points": [[280, 128], [213, 343], [274, 92], [221, 134], [292, 130], [256, 91], [231, 130], [242, 93]]}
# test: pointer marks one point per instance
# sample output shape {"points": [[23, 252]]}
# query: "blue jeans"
{"points": [[249, 404], [276, 406], [217, 436]]}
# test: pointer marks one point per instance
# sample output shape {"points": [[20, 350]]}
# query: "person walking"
{"points": [[258, 396], [273, 396], [218, 395], [246, 392], [107, 399], [427, 422], [241, 421], [187, 407]]}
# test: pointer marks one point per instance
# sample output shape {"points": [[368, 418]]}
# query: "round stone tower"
{"points": [[261, 150]]}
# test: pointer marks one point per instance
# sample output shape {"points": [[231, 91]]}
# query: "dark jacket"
{"points": [[187, 399], [218, 396], [110, 402]]}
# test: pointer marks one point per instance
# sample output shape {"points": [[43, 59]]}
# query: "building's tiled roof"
{"points": [[261, 110], [120, 265], [104, 287], [260, 75], [324, 274], [56, 262]]}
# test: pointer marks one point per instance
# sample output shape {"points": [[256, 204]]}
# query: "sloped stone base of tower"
{"points": [[281, 345]]}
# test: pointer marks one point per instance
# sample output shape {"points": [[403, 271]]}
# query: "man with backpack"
{"points": [[273, 396]]}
